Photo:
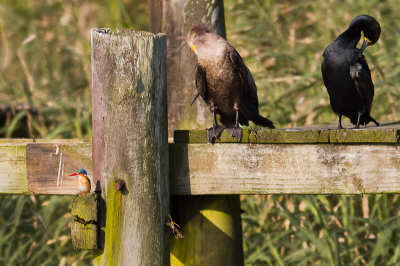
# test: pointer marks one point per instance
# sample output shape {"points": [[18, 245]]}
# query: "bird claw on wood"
{"points": [[213, 132], [174, 228], [235, 132]]}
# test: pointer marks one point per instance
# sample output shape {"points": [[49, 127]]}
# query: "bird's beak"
{"points": [[74, 174], [193, 48], [195, 97], [365, 43]]}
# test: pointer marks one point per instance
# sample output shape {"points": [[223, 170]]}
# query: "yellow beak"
{"points": [[193, 48], [365, 43]]}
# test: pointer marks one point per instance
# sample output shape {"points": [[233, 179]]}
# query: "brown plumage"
{"points": [[224, 82]]}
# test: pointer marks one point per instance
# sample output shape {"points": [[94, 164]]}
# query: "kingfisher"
{"points": [[83, 181]]}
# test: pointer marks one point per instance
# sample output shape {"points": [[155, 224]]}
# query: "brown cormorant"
{"points": [[346, 74], [224, 82]]}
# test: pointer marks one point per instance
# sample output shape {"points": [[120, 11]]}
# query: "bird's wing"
{"points": [[361, 76], [364, 64], [201, 82], [244, 74], [324, 78]]}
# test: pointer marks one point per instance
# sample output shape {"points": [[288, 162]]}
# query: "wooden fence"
{"points": [[304, 160], [197, 183]]}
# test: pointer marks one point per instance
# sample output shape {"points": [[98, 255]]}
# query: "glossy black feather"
{"points": [[346, 74]]}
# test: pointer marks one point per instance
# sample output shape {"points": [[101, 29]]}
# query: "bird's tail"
{"points": [[371, 119], [364, 120], [260, 120]]}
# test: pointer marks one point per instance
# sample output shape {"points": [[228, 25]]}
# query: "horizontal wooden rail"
{"points": [[42, 167], [349, 166], [284, 169]]}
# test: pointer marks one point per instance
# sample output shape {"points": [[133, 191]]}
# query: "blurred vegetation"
{"points": [[45, 88]]}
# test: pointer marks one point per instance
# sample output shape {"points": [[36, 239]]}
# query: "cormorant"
{"points": [[346, 74], [224, 82]]}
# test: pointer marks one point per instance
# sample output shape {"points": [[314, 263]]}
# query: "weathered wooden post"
{"points": [[130, 146], [210, 224]]}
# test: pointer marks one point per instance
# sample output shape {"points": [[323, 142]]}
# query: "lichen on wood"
{"points": [[13, 169], [388, 132], [130, 142], [84, 225]]}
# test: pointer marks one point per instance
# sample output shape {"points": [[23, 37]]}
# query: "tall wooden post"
{"points": [[210, 224], [130, 146]]}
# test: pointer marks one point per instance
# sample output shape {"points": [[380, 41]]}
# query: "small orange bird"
{"points": [[83, 181]]}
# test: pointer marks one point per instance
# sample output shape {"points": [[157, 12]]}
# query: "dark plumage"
{"points": [[346, 74], [224, 82]]}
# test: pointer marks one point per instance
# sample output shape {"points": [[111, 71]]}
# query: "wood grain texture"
{"points": [[13, 169], [388, 132], [204, 169], [48, 167], [209, 169], [130, 142]]}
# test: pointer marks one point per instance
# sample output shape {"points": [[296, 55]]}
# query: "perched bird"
{"points": [[83, 181], [224, 82], [346, 74]]}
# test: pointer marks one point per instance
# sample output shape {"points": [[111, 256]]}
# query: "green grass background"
{"points": [[45, 91]]}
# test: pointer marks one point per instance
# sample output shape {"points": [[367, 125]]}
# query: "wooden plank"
{"points": [[387, 132], [13, 169], [48, 166], [203, 169]]}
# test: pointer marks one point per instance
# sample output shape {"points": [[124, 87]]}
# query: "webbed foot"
{"points": [[214, 132], [235, 131]]}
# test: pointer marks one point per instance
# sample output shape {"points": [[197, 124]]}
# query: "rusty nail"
{"points": [[119, 185]]}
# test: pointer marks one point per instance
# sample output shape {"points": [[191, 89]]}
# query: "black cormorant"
{"points": [[346, 74]]}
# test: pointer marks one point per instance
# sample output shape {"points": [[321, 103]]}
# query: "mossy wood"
{"points": [[210, 225], [387, 132], [84, 224], [199, 248], [130, 143]]}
